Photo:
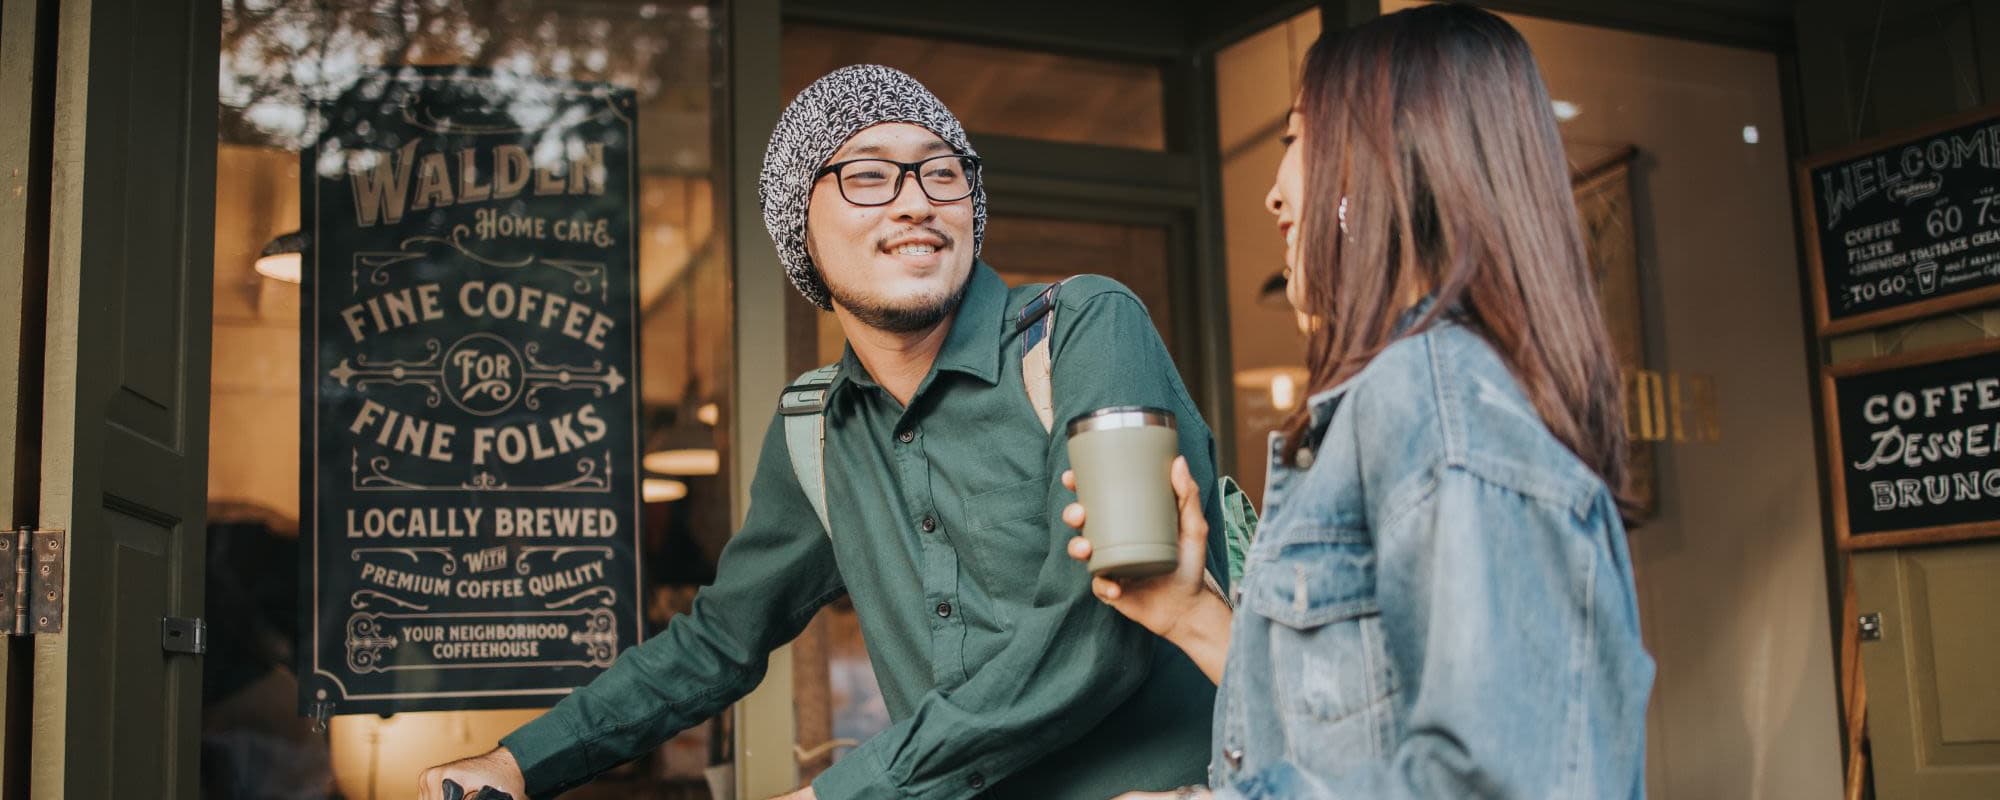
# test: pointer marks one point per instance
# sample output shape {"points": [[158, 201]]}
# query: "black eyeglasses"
{"points": [[877, 181]]}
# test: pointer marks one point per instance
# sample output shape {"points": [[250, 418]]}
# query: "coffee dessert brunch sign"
{"points": [[469, 422], [1915, 445]]}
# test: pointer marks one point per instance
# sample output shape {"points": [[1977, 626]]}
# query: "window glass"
{"points": [[1000, 90], [280, 61], [1256, 80]]}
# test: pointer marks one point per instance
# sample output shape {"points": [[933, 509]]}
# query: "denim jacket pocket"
{"points": [[1314, 583], [1329, 670]]}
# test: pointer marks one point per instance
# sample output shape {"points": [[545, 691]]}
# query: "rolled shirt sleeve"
{"points": [[774, 574]]}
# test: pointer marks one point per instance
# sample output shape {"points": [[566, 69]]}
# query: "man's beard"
{"points": [[915, 315]]}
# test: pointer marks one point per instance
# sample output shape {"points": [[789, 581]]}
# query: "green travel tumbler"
{"points": [[1123, 457]]}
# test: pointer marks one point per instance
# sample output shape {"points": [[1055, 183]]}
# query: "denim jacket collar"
{"points": [[1322, 404]]}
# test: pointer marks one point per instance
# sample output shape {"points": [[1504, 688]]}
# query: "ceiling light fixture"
{"points": [[283, 258]]}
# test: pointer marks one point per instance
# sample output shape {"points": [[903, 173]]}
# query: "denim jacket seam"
{"points": [[1582, 642], [1585, 643], [1375, 643], [1569, 493], [1422, 489], [1573, 501], [1574, 494], [1417, 479], [1450, 431]]}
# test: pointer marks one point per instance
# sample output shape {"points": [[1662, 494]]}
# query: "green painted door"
{"points": [[1933, 688], [125, 393]]}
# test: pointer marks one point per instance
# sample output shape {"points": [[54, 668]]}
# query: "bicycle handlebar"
{"points": [[453, 791]]}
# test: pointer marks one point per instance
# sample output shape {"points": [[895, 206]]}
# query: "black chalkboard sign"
{"points": [[1915, 444], [470, 420], [1906, 225]]}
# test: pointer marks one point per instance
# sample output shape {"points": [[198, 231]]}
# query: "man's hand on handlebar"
{"points": [[495, 769]]}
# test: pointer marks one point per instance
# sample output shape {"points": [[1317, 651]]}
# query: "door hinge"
{"points": [[1871, 627], [31, 580], [184, 635]]}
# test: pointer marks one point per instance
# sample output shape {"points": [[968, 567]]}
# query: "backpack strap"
{"points": [[803, 406], [1038, 320]]}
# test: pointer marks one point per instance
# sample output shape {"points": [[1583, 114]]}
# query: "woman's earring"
{"points": [[1342, 213]]}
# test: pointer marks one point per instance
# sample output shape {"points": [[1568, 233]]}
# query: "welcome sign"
{"points": [[1906, 225], [469, 420]]}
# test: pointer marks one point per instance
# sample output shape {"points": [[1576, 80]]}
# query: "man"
{"points": [[942, 497]]}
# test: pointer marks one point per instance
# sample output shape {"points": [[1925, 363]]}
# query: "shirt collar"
{"points": [[974, 343], [977, 333]]}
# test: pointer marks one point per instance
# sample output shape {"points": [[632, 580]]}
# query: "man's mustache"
{"points": [[943, 238]]}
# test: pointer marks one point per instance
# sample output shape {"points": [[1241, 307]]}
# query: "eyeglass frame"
{"points": [[903, 168]]}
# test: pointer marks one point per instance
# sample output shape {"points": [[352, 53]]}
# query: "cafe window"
{"points": [[999, 90], [287, 68], [1256, 80]]}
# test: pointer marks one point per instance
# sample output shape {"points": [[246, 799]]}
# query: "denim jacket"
{"points": [[1439, 602]]}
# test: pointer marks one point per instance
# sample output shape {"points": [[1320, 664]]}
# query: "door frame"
{"points": [[1179, 189], [27, 34]]}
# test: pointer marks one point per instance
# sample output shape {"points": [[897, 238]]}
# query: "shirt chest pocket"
{"points": [[1328, 661], [999, 506], [1006, 537]]}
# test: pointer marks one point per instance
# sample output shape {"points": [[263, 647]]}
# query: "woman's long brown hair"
{"points": [[1434, 124]]}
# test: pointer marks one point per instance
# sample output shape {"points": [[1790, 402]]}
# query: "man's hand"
{"points": [[803, 793], [495, 768]]}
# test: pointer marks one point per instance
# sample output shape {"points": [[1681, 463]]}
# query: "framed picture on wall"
{"points": [[1602, 185], [1912, 441], [1905, 225]]}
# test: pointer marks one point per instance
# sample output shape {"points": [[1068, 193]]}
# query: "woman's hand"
{"points": [[1178, 606]]}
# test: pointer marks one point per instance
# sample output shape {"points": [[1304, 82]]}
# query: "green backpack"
{"points": [[804, 403]]}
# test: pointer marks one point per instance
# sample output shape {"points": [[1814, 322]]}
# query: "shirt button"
{"points": [[1234, 756], [929, 523], [906, 437], [944, 609], [976, 781]]}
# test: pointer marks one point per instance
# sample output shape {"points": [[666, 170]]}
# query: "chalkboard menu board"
{"points": [[1915, 446], [1906, 225], [469, 421]]}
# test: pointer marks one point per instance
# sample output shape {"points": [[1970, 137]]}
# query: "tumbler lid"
{"points": [[1121, 417]]}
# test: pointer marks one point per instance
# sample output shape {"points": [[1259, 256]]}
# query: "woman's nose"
{"points": [[1274, 202]]}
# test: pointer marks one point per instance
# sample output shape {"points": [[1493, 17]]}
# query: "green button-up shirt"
{"points": [[1002, 674]]}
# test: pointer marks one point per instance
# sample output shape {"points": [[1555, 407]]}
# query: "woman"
{"points": [[1440, 600]]}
